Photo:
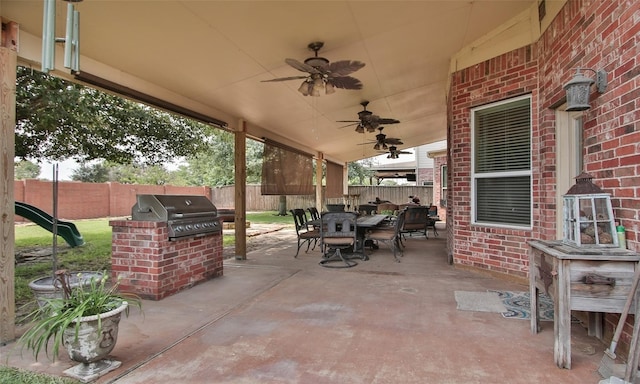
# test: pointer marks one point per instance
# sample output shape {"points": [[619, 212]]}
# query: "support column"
{"points": [[319, 196], [8, 62], [240, 204]]}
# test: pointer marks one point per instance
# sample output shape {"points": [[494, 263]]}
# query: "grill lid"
{"points": [[171, 207]]}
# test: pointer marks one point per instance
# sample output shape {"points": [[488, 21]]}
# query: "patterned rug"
{"points": [[518, 305]]}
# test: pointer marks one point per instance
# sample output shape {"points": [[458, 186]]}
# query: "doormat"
{"points": [[518, 305], [479, 301]]}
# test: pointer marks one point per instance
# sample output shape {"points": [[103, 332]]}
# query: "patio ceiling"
{"points": [[211, 56]]}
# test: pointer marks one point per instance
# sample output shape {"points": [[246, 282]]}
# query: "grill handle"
{"points": [[194, 214]]}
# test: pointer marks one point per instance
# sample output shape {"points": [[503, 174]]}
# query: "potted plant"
{"points": [[85, 321]]}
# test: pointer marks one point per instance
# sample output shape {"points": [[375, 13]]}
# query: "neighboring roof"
{"points": [[394, 170]]}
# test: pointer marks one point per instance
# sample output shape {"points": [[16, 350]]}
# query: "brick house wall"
{"points": [[593, 34]]}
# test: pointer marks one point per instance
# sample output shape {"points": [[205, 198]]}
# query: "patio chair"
{"points": [[304, 232], [433, 217], [415, 220], [313, 212], [389, 236], [337, 233], [367, 209]]}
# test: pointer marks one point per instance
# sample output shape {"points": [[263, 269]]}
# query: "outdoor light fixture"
{"points": [[579, 87]]}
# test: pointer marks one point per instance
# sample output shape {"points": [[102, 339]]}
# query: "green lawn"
{"points": [[95, 255], [13, 376]]}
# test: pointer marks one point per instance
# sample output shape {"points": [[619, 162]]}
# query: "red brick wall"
{"points": [[92, 200], [595, 34], [148, 264], [496, 249]]}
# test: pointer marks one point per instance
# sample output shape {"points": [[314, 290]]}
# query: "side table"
{"points": [[578, 278]]}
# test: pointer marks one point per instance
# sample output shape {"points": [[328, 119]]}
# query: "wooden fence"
{"points": [[223, 197], [91, 200]]}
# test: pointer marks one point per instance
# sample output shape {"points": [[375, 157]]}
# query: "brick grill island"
{"points": [[150, 265], [167, 246]]}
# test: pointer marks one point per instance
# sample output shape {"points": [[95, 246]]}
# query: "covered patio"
{"points": [[276, 319]]}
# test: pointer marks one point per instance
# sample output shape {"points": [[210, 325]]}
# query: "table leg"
{"points": [[562, 315]]}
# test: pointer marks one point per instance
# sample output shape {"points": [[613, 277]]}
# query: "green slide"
{"points": [[66, 229]]}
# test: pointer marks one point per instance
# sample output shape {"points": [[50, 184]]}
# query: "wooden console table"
{"points": [[577, 278]]}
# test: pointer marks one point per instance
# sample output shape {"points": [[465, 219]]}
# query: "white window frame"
{"points": [[443, 185], [477, 176]]}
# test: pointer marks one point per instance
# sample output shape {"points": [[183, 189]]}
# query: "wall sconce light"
{"points": [[578, 88]]}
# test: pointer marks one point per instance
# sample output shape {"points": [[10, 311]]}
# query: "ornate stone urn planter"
{"points": [[91, 342], [84, 321]]}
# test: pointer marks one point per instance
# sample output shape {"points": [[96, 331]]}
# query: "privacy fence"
{"points": [[92, 200]]}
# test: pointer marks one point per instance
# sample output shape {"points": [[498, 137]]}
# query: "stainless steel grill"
{"points": [[185, 215]]}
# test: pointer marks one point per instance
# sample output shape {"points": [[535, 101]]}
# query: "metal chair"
{"points": [[415, 220], [338, 232], [313, 212], [389, 236], [304, 233], [433, 217], [367, 209]]}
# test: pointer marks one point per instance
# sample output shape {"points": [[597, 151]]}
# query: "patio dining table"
{"points": [[363, 222]]}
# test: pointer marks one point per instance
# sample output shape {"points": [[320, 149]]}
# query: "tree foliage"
{"points": [[359, 172], [26, 170], [57, 120]]}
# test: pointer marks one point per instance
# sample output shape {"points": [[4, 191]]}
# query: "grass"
{"points": [[10, 375], [95, 255]]}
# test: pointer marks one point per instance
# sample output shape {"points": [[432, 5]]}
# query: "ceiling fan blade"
{"points": [[344, 67], [285, 79], [348, 125], [345, 82], [386, 120], [302, 67], [393, 140]]}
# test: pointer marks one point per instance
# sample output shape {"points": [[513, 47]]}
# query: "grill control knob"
{"points": [[188, 227], [178, 228], [196, 226], [207, 225]]}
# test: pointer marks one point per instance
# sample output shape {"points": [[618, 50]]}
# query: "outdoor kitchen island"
{"points": [[172, 242]]}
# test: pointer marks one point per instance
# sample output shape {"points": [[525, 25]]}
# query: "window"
{"points": [[501, 163], [443, 186]]}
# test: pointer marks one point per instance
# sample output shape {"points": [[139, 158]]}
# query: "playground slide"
{"points": [[66, 230]]}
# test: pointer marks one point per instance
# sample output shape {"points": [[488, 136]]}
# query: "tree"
{"points": [[215, 167], [26, 170], [94, 173], [359, 172], [57, 119]]}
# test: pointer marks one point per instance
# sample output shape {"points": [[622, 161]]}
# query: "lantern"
{"points": [[588, 216]]}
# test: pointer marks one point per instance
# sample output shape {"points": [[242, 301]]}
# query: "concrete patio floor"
{"points": [[277, 319]]}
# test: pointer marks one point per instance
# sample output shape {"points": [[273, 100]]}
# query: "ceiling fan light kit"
{"points": [[323, 75]]}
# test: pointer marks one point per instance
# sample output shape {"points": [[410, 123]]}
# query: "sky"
{"points": [[65, 170]]}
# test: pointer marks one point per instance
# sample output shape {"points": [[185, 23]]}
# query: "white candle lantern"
{"points": [[588, 215]]}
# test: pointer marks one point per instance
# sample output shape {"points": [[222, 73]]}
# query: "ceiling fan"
{"points": [[382, 140], [367, 120], [394, 152], [321, 74]]}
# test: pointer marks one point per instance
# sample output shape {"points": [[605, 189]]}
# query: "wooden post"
{"points": [[240, 205], [8, 60]]}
